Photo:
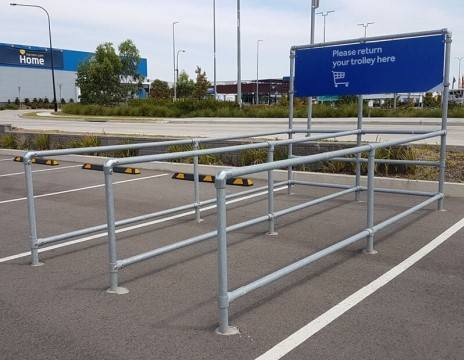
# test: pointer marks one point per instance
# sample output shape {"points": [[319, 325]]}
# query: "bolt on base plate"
{"points": [[118, 291], [231, 330]]}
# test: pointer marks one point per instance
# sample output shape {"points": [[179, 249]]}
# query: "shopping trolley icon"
{"points": [[338, 77]]}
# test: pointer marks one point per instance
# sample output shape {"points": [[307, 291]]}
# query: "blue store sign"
{"points": [[393, 66], [17, 56]]}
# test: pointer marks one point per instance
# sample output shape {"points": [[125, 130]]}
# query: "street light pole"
{"points": [[177, 63], [51, 47], [365, 26], [324, 15], [459, 72], [314, 6], [174, 57], [239, 58], [257, 70], [214, 50]]}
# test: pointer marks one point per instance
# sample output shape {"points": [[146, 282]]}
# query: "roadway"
{"points": [[219, 127], [61, 310]]}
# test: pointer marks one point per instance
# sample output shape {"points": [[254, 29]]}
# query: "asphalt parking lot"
{"points": [[62, 311]]}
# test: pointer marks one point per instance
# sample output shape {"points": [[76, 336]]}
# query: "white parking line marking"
{"points": [[81, 189], [299, 337], [129, 228], [6, 160], [43, 170]]}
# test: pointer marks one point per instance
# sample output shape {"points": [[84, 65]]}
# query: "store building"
{"points": [[25, 72]]}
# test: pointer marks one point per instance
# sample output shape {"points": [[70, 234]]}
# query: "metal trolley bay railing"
{"points": [[225, 297]]}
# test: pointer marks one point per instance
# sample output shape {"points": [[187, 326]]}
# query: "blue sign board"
{"points": [[27, 57], [393, 66]]}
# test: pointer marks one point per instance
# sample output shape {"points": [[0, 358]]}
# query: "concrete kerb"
{"points": [[452, 189]]}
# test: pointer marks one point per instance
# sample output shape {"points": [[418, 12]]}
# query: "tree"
{"points": [[201, 85], [101, 78], [160, 90], [130, 60], [185, 86]]}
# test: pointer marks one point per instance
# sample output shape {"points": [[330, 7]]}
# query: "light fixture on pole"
{"points": [[174, 57], [55, 104], [214, 49], [314, 6], [257, 70], [365, 26], [239, 58], [324, 14]]}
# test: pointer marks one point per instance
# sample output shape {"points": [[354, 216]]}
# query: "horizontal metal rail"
{"points": [[241, 291], [371, 39], [367, 131], [406, 213], [382, 161], [186, 154], [324, 185], [401, 192], [390, 161], [314, 202], [363, 188], [138, 146]]}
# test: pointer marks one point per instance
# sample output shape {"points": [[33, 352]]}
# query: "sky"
{"points": [[83, 24]]}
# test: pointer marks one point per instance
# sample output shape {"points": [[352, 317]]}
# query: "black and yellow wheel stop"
{"points": [[49, 162], [212, 179], [117, 169]]}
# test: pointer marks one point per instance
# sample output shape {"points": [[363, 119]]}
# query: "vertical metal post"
{"points": [[196, 186], [314, 6], [214, 50], [112, 249], [358, 143], [291, 95], [370, 202], [444, 122], [31, 212], [239, 58], [174, 57], [257, 71], [223, 286], [270, 192]]}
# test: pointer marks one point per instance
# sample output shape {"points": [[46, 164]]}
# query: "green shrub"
{"points": [[9, 141], [211, 108], [42, 142]]}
